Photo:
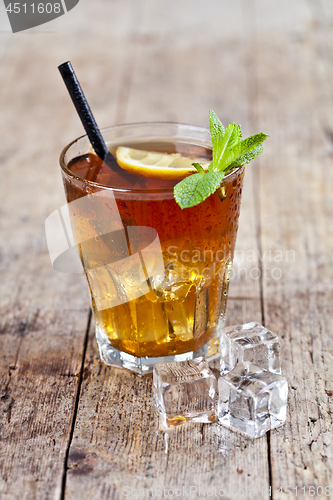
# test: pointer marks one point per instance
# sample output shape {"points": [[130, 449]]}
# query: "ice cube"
{"points": [[251, 399], [171, 286], [250, 342], [184, 391]]}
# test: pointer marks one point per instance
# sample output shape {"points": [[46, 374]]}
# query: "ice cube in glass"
{"points": [[251, 399], [250, 342], [184, 391]]}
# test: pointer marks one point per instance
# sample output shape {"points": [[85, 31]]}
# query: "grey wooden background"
{"points": [[74, 429]]}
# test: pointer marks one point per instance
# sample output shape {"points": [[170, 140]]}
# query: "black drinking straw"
{"points": [[85, 114]]}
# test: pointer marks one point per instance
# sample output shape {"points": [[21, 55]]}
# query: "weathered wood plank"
{"points": [[295, 191], [118, 446], [42, 330], [117, 442], [44, 315], [38, 403]]}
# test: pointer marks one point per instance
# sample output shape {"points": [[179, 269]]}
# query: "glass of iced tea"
{"points": [[158, 275]]}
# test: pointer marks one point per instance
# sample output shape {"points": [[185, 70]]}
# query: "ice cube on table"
{"points": [[251, 399], [250, 342], [184, 391]]}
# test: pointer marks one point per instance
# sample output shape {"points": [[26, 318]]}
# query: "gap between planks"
{"points": [[76, 405]]}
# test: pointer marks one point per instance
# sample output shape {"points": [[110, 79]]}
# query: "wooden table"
{"points": [[73, 428]]}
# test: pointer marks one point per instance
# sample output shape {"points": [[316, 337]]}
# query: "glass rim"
{"points": [[233, 174]]}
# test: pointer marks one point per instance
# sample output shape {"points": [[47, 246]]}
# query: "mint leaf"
{"points": [[246, 158], [230, 139], [217, 132], [241, 149], [196, 188]]}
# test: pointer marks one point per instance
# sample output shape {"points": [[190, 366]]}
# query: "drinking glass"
{"points": [[158, 275]]}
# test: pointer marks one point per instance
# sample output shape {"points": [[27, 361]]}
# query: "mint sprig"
{"points": [[229, 152]]}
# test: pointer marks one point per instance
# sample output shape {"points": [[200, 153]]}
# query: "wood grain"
{"points": [[72, 428], [295, 216], [129, 450]]}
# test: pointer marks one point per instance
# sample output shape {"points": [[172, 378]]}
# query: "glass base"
{"points": [[113, 357]]}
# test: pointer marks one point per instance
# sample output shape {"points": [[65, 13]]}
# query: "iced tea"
{"points": [[182, 310]]}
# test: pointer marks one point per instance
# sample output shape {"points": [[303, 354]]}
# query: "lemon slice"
{"points": [[163, 165]]}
